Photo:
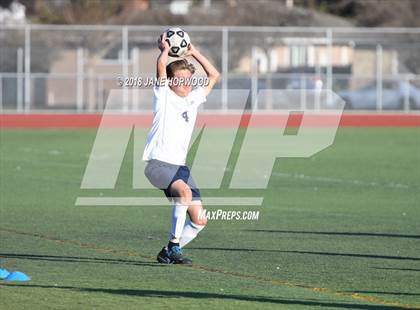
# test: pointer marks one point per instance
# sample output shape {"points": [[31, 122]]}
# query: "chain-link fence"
{"points": [[74, 67]]}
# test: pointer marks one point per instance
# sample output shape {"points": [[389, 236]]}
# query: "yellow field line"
{"points": [[328, 291]]}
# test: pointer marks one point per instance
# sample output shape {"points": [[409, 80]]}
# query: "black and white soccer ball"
{"points": [[178, 41]]}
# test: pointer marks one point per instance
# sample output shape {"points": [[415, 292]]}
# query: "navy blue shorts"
{"points": [[162, 175]]}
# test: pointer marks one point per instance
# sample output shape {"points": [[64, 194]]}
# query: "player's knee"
{"points": [[201, 221], [185, 195], [200, 218]]}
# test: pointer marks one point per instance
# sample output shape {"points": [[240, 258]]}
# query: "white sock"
{"points": [[179, 214], [189, 232]]}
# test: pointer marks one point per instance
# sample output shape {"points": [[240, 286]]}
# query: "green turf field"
{"points": [[340, 230]]}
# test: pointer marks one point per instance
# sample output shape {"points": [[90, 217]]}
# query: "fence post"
{"points": [[92, 106], [100, 93], [27, 67], [330, 65], [136, 74], [1, 92], [379, 85], [19, 82], [407, 93], [125, 65], [303, 92], [225, 68], [79, 79], [254, 79]]}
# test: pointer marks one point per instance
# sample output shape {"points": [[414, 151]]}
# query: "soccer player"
{"points": [[175, 110]]}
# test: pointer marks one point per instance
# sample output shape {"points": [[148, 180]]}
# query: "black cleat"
{"points": [[172, 256], [175, 254], [163, 256]]}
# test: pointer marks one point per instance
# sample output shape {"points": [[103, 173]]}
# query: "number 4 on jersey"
{"points": [[185, 116]]}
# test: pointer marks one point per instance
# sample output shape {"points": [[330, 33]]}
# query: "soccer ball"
{"points": [[178, 41]]}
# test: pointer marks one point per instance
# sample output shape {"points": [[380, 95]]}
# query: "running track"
{"points": [[209, 120]]}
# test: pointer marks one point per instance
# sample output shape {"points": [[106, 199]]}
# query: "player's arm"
{"points": [[162, 59], [212, 74]]}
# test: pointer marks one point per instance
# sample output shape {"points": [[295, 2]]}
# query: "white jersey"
{"points": [[173, 123]]}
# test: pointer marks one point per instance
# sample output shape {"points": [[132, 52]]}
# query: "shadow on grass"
{"points": [[78, 259], [201, 295], [313, 253], [396, 269], [382, 293], [334, 233]]}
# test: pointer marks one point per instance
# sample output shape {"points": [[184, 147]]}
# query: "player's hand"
{"points": [[192, 51], [162, 44]]}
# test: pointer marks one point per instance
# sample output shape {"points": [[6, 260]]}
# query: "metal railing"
{"points": [[73, 67]]}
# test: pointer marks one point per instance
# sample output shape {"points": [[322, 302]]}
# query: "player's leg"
{"points": [[182, 195], [170, 178], [198, 218], [167, 177], [197, 222]]}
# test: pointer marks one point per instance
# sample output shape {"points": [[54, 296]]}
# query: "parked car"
{"points": [[393, 94]]}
